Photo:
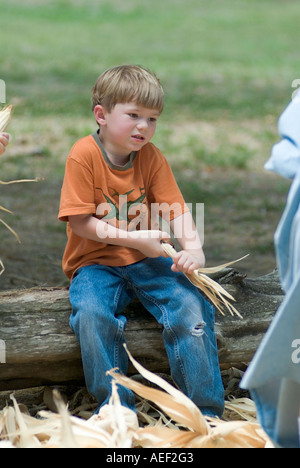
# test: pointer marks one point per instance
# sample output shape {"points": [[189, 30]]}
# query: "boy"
{"points": [[113, 179]]}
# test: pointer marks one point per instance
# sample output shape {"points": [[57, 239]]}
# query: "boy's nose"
{"points": [[142, 124]]}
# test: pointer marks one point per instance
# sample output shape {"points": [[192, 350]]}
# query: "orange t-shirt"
{"points": [[122, 196]]}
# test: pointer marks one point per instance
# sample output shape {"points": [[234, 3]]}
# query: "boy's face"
{"points": [[128, 127]]}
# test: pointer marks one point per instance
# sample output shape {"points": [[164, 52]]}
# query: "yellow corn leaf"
{"points": [[37, 179], [213, 290], [26, 439], [2, 268], [5, 209], [11, 230], [244, 407], [177, 405], [164, 437], [199, 434], [67, 438]]}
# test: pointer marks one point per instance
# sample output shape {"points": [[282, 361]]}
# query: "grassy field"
{"points": [[227, 67]]}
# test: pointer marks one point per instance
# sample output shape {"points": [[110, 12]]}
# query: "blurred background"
{"points": [[228, 68]]}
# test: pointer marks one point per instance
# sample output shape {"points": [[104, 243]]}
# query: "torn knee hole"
{"points": [[198, 329]]}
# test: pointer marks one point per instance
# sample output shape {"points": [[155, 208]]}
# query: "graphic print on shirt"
{"points": [[123, 212]]}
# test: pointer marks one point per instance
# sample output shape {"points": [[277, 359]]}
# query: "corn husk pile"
{"points": [[213, 290], [180, 425]]}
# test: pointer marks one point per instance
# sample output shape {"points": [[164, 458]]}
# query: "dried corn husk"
{"points": [[197, 433], [243, 407], [213, 290], [112, 428], [2, 268], [11, 230], [117, 427], [21, 181], [5, 116], [177, 405]]}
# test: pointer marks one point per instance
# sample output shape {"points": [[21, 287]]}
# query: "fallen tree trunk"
{"points": [[39, 348]]}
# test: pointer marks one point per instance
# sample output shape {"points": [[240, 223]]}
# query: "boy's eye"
{"points": [[132, 115]]}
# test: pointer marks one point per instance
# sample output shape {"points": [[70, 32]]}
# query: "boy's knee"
{"points": [[199, 329]]}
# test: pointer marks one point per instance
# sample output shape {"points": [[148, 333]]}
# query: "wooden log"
{"points": [[40, 348]]}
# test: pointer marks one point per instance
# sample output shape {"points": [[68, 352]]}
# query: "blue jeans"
{"points": [[99, 294]]}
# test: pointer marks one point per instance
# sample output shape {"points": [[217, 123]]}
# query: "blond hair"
{"points": [[128, 83]]}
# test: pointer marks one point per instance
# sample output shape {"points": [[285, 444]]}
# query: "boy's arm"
{"points": [[147, 242], [191, 256]]}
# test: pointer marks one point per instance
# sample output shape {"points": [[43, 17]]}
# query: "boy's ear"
{"points": [[99, 113]]}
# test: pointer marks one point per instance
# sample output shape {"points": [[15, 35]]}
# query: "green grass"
{"points": [[219, 61], [234, 58]]}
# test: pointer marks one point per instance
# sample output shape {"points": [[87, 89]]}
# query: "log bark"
{"points": [[40, 348]]}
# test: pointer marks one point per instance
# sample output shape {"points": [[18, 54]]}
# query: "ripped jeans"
{"points": [[99, 294]]}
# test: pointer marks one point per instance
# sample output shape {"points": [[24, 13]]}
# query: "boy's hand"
{"points": [[187, 261], [149, 242], [4, 140]]}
